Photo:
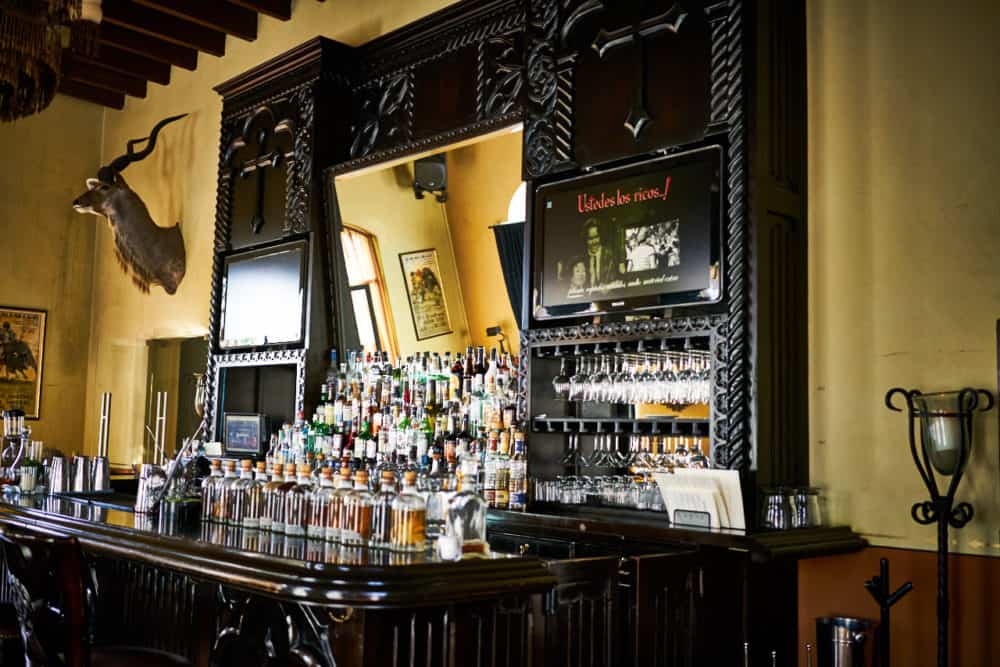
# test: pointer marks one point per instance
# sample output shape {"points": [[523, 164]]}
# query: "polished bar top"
{"points": [[262, 562]]}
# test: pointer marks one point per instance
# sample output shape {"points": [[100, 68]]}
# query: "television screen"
{"points": [[633, 238], [264, 297]]}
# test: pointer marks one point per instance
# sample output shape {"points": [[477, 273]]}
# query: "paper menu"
{"points": [[716, 492]]}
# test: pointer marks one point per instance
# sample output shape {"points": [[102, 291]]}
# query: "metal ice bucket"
{"points": [[846, 642]]}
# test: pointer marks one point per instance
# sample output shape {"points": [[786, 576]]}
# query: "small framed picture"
{"points": [[244, 434], [425, 291]]}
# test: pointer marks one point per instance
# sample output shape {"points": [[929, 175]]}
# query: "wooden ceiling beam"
{"points": [[151, 47], [92, 94], [97, 75], [126, 14], [132, 64], [230, 19], [279, 9]]}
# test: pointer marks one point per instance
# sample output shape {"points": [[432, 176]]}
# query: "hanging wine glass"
{"points": [[560, 383]]}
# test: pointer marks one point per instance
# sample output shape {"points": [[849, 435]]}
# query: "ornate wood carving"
{"points": [[540, 126], [220, 361], [256, 149], [399, 104], [500, 75], [383, 113]]}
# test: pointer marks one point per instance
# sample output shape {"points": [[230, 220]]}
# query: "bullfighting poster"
{"points": [[22, 343]]}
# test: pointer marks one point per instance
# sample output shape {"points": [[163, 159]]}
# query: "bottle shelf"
{"points": [[647, 426]]}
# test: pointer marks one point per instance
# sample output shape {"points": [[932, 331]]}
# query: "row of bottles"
{"points": [[373, 410], [401, 517]]}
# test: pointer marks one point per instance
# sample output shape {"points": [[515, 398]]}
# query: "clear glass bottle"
{"points": [[356, 514], [319, 506], [519, 475], [440, 487], [209, 487], [381, 532], [222, 499], [278, 499], [254, 502], [269, 497], [240, 497], [409, 517], [467, 513], [342, 487], [297, 502]]}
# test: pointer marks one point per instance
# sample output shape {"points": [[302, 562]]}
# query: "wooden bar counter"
{"points": [[589, 587], [221, 595]]}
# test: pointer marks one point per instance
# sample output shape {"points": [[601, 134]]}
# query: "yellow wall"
{"points": [[49, 250], [381, 202], [904, 214], [481, 179], [178, 183]]}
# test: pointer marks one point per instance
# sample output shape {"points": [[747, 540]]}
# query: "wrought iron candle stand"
{"points": [[946, 443]]}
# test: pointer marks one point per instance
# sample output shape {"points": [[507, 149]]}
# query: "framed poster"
{"points": [[425, 293], [22, 345]]}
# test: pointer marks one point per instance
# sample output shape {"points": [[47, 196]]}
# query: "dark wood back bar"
{"points": [[570, 585]]}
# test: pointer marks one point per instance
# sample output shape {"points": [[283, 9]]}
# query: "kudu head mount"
{"points": [[151, 254]]}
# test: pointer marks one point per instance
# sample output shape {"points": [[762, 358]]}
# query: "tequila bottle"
{"points": [[209, 487], [240, 496], [409, 517], [223, 499], [382, 511], [335, 513], [356, 522], [319, 506], [297, 502], [269, 497]]}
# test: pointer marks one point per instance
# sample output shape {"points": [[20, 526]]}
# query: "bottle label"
{"points": [[370, 449]]}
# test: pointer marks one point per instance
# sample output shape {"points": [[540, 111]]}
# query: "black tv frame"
{"points": [[536, 312]]}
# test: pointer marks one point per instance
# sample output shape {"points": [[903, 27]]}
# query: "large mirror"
{"points": [[422, 270]]}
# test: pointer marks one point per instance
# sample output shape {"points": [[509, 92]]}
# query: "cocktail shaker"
{"points": [[81, 474], [57, 475], [100, 474]]}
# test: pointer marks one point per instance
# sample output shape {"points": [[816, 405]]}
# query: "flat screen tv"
{"points": [[264, 295], [633, 238]]}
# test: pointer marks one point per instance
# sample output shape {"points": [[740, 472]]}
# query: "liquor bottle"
{"points": [[381, 532], [209, 487], [490, 466], [332, 369], [297, 502], [467, 513], [502, 501], [254, 502], [519, 475], [409, 517], [269, 497], [356, 521], [490, 376], [336, 511], [319, 506], [222, 499], [241, 496], [278, 513], [438, 495]]}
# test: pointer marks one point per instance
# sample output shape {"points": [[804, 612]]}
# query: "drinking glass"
{"points": [[560, 383], [578, 383]]}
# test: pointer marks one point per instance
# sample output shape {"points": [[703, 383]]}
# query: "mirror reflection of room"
{"points": [[422, 266]]}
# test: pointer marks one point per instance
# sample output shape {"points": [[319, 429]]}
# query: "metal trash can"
{"points": [[846, 642]]}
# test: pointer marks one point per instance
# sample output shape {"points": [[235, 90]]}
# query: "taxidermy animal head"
{"points": [[150, 254]]}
